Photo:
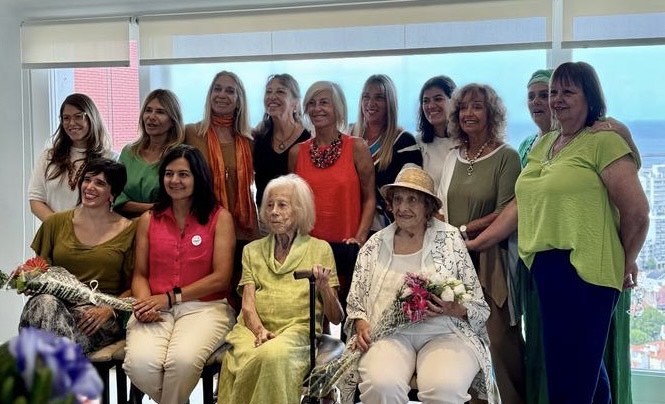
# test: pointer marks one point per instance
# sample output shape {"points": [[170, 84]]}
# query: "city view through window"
{"points": [[631, 79]]}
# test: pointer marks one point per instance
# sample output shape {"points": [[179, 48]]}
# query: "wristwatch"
{"points": [[177, 292], [462, 230]]}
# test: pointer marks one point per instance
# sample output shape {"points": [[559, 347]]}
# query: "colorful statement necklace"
{"points": [[328, 156]]}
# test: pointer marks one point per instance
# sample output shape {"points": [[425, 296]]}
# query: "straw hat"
{"points": [[411, 176]]}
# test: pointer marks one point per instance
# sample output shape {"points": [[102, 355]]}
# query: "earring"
{"points": [[111, 204]]}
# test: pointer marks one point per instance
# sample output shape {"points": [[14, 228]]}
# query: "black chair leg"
{"points": [[121, 383], [103, 371]]}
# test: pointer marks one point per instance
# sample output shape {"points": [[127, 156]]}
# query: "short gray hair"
{"points": [[302, 201]]}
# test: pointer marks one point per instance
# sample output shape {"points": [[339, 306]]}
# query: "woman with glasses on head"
{"points": [[81, 136], [160, 128], [390, 146], [280, 129]]}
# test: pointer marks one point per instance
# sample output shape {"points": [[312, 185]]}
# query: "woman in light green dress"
{"points": [[269, 354]]}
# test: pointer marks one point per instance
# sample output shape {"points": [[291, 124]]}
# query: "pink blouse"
{"points": [[180, 259]]}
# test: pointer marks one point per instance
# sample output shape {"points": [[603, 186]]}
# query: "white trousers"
{"points": [[445, 366], [165, 359]]}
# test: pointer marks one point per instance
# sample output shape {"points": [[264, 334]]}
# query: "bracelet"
{"points": [[168, 296], [177, 292]]}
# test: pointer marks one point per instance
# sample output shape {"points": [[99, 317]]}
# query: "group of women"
{"points": [[175, 225]]}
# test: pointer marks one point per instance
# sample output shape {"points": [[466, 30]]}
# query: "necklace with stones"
{"points": [[472, 160], [327, 157]]}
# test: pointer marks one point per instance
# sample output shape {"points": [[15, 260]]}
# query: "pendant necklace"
{"points": [[471, 161], [282, 143]]}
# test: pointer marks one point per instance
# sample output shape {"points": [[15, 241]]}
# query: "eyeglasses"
{"points": [[76, 118]]}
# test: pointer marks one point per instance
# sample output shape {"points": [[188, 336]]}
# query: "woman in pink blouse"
{"points": [[184, 254]]}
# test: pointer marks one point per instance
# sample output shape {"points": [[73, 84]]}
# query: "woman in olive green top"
{"points": [[95, 244]]}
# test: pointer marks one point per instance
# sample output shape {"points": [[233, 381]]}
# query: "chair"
{"points": [[210, 369], [104, 360]]}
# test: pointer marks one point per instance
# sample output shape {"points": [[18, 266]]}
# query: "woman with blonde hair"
{"points": [[339, 170], [280, 129], [80, 137], [224, 138], [160, 128], [390, 146]]}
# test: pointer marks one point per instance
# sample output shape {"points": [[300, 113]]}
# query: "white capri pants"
{"points": [[445, 365], [165, 359]]}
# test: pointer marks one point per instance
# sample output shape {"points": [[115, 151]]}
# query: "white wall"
{"points": [[12, 152]]}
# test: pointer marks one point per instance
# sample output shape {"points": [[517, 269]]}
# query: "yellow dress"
{"points": [[274, 371]]}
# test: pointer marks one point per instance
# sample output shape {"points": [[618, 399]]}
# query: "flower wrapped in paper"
{"points": [[38, 367], [409, 307], [37, 277]]}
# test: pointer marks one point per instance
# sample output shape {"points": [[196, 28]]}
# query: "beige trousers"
{"points": [[165, 359]]}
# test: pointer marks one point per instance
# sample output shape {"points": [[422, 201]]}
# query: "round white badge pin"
{"points": [[196, 240]]}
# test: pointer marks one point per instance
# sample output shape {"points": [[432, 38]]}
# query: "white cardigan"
{"points": [[443, 250]]}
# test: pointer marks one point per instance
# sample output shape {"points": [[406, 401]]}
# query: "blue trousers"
{"points": [[575, 319]]}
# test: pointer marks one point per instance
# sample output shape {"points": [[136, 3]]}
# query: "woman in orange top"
{"points": [[224, 138], [340, 171]]}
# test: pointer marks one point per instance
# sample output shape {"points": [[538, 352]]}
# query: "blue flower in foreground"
{"points": [[72, 371]]}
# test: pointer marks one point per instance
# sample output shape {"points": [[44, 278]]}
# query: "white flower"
{"points": [[465, 297], [447, 294], [406, 293], [459, 289]]}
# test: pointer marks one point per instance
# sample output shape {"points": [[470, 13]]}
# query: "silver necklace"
{"points": [[471, 161], [550, 153]]}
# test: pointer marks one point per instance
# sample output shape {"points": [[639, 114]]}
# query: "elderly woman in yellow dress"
{"points": [[269, 355], [449, 349]]}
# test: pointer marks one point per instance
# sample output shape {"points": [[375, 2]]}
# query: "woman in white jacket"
{"points": [[449, 349]]}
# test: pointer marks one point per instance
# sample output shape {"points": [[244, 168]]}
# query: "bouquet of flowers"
{"points": [[38, 367], [37, 277], [408, 307]]}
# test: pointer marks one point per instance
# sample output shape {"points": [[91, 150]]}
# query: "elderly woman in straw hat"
{"points": [[449, 349]]}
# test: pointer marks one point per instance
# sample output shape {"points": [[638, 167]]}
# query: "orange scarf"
{"points": [[245, 212]]}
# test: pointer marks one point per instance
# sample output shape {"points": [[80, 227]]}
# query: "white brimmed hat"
{"points": [[411, 176]]}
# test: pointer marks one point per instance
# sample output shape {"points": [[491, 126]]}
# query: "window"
{"points": [[634, 95]]}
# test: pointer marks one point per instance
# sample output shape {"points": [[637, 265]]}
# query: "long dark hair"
{"points": [[584, 76], [97, 139], [445, 84], [203, 197]]}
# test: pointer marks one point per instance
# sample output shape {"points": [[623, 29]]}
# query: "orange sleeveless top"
{"points": [[336, 192]]}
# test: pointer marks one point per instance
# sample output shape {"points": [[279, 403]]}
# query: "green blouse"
{"points": [[563, 204], [142, 179]]}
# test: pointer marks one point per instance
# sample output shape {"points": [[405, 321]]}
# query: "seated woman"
{"points": [[184, 251], [270, 347], [449, 349], [94, 244]]}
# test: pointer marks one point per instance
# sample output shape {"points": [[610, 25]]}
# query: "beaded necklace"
{"points": [[471, 161], [326, 157]]}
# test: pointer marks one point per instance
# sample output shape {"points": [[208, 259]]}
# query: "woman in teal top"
{"points": [[160, 128]]}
